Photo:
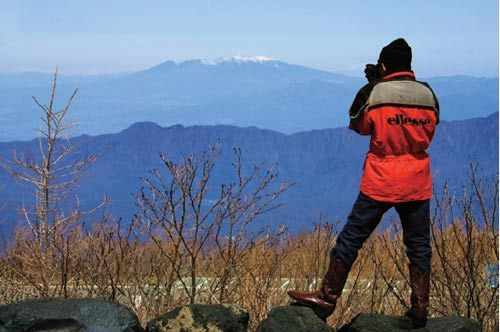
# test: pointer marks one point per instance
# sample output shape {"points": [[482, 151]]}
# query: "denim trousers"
{"points": [[366, 215]]}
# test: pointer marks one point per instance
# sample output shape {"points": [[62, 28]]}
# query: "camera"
{"points": [[372, 72]]}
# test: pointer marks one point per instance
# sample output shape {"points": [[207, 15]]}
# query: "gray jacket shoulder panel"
{"points": [[402, 92]]}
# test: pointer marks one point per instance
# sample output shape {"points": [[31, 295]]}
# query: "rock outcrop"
{"points": [[68, 315], [293, 318], [94, 315], [382, 323], [201, 318]]}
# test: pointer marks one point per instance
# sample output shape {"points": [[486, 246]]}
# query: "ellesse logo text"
{"points": [[400, 119]]}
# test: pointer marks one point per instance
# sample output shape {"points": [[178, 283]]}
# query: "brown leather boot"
{"points": [[419, 299], [323, 301]]}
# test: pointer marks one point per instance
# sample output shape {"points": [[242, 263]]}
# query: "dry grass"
{"points": [[118, 263]]}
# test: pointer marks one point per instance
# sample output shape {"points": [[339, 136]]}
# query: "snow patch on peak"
{"points": [[202, 61], [237, 59], [206, 61], [246, 59]]}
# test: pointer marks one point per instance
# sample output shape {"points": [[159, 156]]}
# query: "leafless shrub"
{"points": [[125, 264], [184, 223], [464, 239]]}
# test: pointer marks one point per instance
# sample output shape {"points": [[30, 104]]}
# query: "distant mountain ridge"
{"points": [[325, 164], [241, 91]]}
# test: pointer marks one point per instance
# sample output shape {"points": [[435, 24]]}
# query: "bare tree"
{"points": [[183, 221], [52, 173]]}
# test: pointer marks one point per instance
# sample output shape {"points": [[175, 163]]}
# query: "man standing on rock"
{"points": [[400, 114]]}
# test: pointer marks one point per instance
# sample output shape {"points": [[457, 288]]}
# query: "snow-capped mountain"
{"points": [[245, 59], [237, 59], [237, 90], [264, 69]]}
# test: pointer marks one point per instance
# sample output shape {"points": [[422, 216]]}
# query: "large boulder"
{"points": [[293, 318], [200, 318], [68, 315], [378, 322]]}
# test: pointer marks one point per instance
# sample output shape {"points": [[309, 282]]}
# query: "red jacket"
{"points": [[400, 114]]}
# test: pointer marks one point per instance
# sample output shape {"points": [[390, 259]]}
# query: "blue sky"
{"points": [[108, 36]]}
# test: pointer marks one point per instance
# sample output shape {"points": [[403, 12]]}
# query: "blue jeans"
{"points": [[366, 215]]}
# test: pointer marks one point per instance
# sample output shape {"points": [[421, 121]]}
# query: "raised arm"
{"points": [[357, 113]]}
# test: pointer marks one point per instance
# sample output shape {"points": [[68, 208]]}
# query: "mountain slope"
{"points": [[198, 81], [241, 91], [325, 164]]}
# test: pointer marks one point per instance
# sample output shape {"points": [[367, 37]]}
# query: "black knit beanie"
{"points": [[396, 55]]}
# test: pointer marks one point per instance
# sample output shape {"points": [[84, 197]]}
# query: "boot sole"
{"points": [[320, 312]]}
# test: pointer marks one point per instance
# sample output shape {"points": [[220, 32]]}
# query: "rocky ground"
{"points": [[92, 315]]}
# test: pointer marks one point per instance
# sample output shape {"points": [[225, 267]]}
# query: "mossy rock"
{"points": [[293, 318], [201, 318], [68, 315]]}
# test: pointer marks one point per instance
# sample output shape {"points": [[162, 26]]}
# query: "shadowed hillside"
{"points": [[324, 164]]}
